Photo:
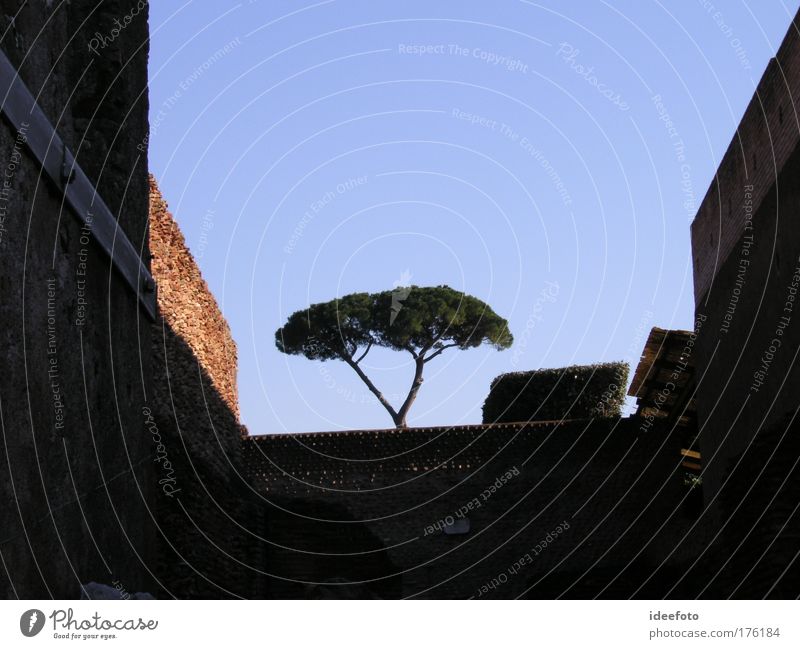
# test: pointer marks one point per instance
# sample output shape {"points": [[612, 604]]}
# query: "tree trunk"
{"points": [[394, 415], [400, 420], [398, 416]]}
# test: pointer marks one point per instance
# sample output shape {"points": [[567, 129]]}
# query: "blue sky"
{"points": [[545, 157]]}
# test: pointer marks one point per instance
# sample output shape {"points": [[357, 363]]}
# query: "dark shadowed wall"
{"points": [[746, 251], [76, 470], [363, 512]]}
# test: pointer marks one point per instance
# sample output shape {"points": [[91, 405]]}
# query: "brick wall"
{"points": [[186, 303], [759, 511], [736, 399], [746, 249], [359, 513], [766, 137], [203, 505]]}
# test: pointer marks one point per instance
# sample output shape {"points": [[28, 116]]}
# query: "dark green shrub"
{"points": [[576, 392]]}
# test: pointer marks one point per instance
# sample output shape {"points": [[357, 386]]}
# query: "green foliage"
{"points": [[692, 480], [576, 392], [328, 330], [422, 319], [436, 315]]}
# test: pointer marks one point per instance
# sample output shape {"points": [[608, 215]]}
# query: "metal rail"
{"points": [[20, 108]]}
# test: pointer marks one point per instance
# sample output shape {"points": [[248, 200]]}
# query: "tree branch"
{"points": [[433, 343], [439, 351], [372, 387], [366, 351], [347, 351]]}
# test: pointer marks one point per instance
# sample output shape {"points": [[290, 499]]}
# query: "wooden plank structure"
{"points": [[664, 386]]}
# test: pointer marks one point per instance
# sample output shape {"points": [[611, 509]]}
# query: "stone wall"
{"points": [[761, 533], [765, 139], [746, 250], [747, 349], [188, 306], [362, 513], [203, 506], [746, 253], [77, 471], [120, 436]]}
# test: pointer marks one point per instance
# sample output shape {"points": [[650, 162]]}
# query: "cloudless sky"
{"points": [[515, 150]]}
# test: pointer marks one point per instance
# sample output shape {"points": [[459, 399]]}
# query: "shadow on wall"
{"points": [[760, 503], [319, 560], [202, 504], [201, 497], [76, 470], [217, 537]]}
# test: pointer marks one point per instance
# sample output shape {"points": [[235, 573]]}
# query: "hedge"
{"points": [[576, 392]]}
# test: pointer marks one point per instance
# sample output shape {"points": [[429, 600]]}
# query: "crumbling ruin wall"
{"points": [[203, 505], [77, 470], [187, 305]]}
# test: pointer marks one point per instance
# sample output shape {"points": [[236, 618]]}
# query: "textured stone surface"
{"points": [[186, 303], [759, 510], [203, 507], [736, 399], [767, 135], [363, 510], [746, 251], [75, 481]]}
